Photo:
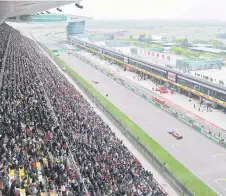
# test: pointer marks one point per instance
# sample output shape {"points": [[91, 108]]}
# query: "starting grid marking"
{"points": [[221, 182], [149, 122]]}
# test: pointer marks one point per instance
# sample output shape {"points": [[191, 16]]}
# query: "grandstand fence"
{"points": [[160, 166]]}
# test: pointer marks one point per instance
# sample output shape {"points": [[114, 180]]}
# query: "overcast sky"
{"points": [[150, 9]]}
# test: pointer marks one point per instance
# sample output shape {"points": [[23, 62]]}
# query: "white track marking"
{"points": [[149, 122], [221, 179]]}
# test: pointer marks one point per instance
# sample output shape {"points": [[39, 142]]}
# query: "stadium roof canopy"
{"points": [[15, 8], [46, 18]]}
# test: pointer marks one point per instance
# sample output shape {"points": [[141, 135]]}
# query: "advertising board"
{"points": [[126, 60], [45, 18], [172, 76], [159, 57]]}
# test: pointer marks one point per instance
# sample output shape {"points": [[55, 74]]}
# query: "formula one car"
{"points": [[176, 135], [95, 82]]}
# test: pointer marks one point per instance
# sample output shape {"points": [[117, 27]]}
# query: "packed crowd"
{"points": [[33, 161], [52, 140]]}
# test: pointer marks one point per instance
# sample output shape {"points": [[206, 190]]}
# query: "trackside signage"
{"points": [[185, 120], [167, 109], [138, 92], [211, 136], [172, 76], [151, 100]]}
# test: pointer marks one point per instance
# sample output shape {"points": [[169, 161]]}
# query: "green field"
{"points": [[192, 182]]}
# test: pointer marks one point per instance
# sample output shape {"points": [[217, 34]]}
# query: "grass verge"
{"points": [[196, 186]]}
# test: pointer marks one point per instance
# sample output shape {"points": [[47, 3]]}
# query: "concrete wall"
{"points": [[75, 28]]}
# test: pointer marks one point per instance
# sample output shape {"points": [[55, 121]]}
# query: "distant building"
{"points": [[123, 50], [170, 44], [198, 64], [165, 44], [203, 45], [178, 62], [75, 28], [113, 43], [217, 76], [99, 43], [82, 36], [158, 57], [122, 34], [97, 38], [158, 37], [157, 49], [110, 33], [221, 36], [133, 51], [207, 49]]}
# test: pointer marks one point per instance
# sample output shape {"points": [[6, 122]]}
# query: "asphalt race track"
{"points": [[203, 157]]}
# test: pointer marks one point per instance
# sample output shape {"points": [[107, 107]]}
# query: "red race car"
{"points": [[176, 135]]}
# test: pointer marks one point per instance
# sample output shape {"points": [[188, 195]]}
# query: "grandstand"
{"points": [[53, 142]]}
